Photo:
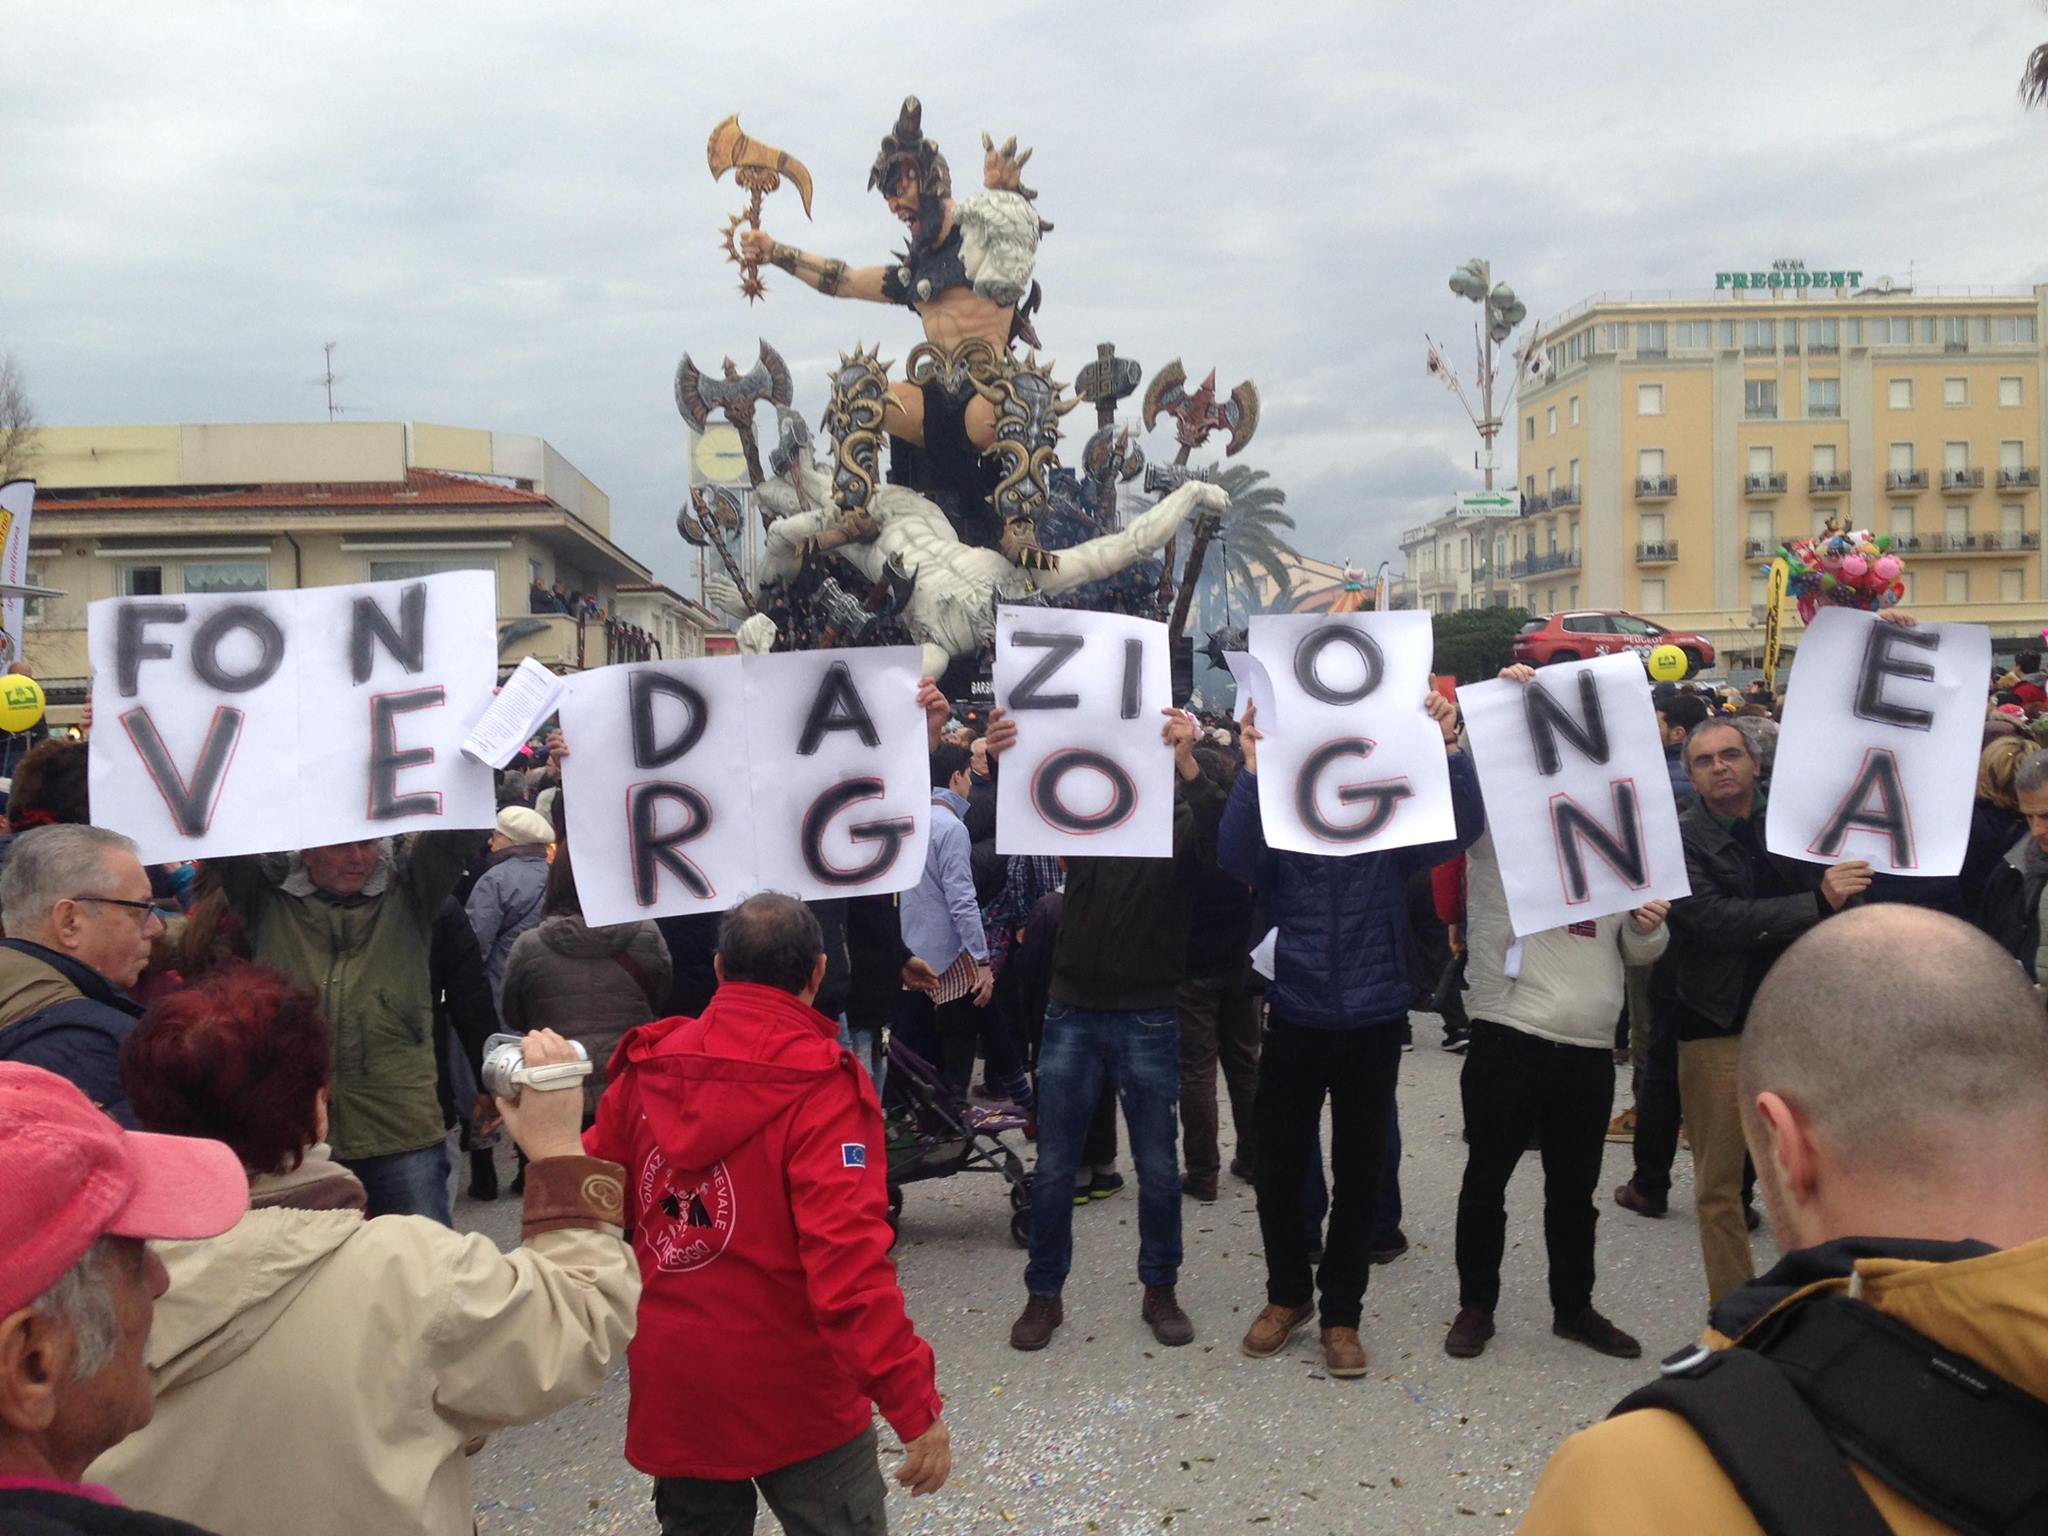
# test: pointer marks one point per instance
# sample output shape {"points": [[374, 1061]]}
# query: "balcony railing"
{"points": [[1824, 412], [1756, 549], [2016, 477], [1564, 496], [1660, 553], [1535, 504], [1975, 543], [1962, 481], [1955, 346], [1543, 565], [1656, 487], [1905, 480], [1829, 483], [1910, 543], [1763, 485]]}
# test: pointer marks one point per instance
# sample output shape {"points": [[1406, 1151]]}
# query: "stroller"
{"points": [[933, 1135]]}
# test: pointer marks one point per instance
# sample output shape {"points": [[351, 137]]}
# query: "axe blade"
{"points": [[781, 389], [690, 402], [1243, 415], [731, 149], [1167, 389]]}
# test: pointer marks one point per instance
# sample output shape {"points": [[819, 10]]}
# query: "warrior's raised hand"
{"points": [[1002, 170]]}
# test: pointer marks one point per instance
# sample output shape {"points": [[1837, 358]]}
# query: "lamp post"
{"points": [[1503, 312]]}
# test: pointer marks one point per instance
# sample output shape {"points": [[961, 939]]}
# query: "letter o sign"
{"points": [[1308, 654], [1046, 798]]}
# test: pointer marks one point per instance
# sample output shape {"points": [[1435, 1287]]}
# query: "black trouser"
{"points": [[1514, 1083], [1298, 1067], [836, 1493], [1219, 1025], [1656, 1088]]}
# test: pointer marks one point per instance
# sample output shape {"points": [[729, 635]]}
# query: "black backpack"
{"points": [[1831, 1377]]}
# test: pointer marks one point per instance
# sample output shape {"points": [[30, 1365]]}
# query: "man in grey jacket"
{"points": [[506, 899]]}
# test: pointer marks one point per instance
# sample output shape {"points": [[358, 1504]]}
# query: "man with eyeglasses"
{"points": [[80, 923]]}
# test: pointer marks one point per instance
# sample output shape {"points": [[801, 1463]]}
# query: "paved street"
{"points": [[1106, 1432]]}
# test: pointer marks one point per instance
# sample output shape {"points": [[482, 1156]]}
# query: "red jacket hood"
{"points": [[745, 1060]]}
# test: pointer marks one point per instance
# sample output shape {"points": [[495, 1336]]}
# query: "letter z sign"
{"points": [[1089, 774]]}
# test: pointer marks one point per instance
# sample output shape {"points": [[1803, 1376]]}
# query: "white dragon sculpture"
{"points": [[951, 611]]}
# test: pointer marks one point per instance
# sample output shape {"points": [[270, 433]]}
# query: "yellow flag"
{"points": [[1774, 604]]}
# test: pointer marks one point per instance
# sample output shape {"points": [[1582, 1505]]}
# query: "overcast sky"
{"points": [[502, 214]]}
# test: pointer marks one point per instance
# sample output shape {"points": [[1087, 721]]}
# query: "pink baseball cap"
{"points": [[74, 1176]]}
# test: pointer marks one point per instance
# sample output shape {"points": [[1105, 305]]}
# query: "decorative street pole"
{"points": [[1474, 281]]}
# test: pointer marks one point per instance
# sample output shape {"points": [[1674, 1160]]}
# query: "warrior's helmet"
{"points": [[905, 144]]}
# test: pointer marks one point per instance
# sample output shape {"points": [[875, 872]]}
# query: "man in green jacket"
{"points": [[352, 923]]}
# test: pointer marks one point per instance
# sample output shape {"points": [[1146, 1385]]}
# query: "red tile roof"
{"points": [[422, 488]]}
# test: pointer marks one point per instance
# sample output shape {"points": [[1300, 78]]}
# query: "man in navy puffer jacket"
{"points": [[1338, 997]]}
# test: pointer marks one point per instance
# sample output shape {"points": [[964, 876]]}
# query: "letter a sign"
{"points": [[1883, 725]]}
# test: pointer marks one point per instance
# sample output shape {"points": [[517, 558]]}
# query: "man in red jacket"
{"points": [[771, 1317]]}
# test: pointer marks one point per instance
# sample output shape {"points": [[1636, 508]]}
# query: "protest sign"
{"points": [[1350, 762], [1254, 688], [17, 505], [1087, 774], [1877, 756], [1577, 794], [253, 722], [694, 784]]}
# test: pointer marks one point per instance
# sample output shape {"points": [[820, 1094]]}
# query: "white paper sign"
{"points": [[1253, 686], [17, 506], [1087, 774], [262, 721], [1350, 762], [527, 698], [694, 784], [1877, 756], [1577, 794]]}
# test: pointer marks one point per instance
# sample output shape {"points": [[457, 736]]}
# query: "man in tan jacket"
{"points": [[1893, 1080]]}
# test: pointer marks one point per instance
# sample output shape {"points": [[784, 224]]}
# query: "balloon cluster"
{"points": [[1844, 568]]}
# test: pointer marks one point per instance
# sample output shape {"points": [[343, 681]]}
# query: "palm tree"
{"points": [[2034, 78], [1251, 550]]}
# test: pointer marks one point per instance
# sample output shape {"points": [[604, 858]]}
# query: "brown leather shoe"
{"points": [[1629, 1198], [1596, 1332], [1343, 1355], [1034, 1326], [1204, 1190], [1163, 1314], [1469, 1332], [1272, 1328]]}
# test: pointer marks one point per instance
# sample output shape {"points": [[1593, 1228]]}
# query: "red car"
{"points": [[1588, 633]]}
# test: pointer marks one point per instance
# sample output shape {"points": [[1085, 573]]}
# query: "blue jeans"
{"points": [[1139, 1053], [866, 1045], [407, 1183], [1386, 1216]]}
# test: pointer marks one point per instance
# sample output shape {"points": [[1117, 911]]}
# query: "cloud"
{"points": [[502, 214]]}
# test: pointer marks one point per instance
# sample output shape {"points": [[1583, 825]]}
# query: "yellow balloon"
{"points": [[1667, 664], [21, 703]]}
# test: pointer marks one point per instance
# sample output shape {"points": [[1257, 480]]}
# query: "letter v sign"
{"points": [[191, 802]]}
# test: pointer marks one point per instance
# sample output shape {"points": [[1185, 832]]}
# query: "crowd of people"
{"points": [[233, 1295]]}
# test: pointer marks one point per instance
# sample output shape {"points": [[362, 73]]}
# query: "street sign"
{"points": [[1488, 504]]}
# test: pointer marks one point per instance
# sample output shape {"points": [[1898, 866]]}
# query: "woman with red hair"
{"points": [[318, 1372]]}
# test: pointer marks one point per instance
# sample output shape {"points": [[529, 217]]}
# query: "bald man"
{"points": [[1894, 1091]]}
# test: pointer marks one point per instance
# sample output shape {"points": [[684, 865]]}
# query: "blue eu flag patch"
{"points": [[853, 1154]]}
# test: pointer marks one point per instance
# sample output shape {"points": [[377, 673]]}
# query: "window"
{"points": [[1550, 479], [1760, 398], [1980, 328], [1587, 624], [1530, 434], [1823, 335], [1823, 397], [1759, 335], [202, 576], [1650, 338], [1572, 409], [1629, 624], [1902, 522], [1550, 600], [1855, 331], [1694, 334], [1955, 333], [1900, 459], [1613, 338], [533, 572], [1923, 331], [2012, 585], [32, 607], [429, 565], [2011, 455], [1550, 537], [1762, 530], [1759, 594], [1886, 331], [2009, 392], [1500, 549], [1955, 587], [1650, 463], [1649, 399], [1572, 475], [1955, 391], [142, 581], [1955, 523], [1792, 337], [2016, 328], [1955, 456], [1727, 333], [1572, 601], [1550, 421], [2012, 522], [1650, 527], [1760, 461], [1652, 599], [1529, 487], [1899, 394], [1824, 459]]}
